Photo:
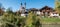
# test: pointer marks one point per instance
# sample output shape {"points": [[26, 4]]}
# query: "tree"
{"points": [[57, 6], [31, 20], [10, 20], [9, 11]]}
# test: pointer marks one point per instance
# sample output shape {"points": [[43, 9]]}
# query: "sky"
{"points": [[15, 4]]}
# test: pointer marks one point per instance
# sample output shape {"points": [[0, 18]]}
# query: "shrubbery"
{"points": [[11, 20]]}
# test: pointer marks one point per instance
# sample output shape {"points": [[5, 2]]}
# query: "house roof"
{"points": [[46, 8], [33, 9]]}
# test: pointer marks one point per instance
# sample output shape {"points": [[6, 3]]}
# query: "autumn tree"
{"points": [[57, 6]]}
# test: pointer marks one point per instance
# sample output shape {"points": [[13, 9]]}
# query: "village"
{"points": [[45, 11], [46, 16]]}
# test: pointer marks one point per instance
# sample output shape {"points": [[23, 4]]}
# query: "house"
{"points": [[46, 10], [1, 12], [54, 14], [34, 10]]}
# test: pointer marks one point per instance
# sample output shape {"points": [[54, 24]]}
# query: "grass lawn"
{"points": [[50, 20]]}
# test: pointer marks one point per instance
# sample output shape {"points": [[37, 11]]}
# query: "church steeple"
{"points": [[21, 4], [25, 5]]}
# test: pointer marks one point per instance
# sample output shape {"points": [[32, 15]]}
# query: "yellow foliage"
{"points": [[57, 4], [29, 19]]}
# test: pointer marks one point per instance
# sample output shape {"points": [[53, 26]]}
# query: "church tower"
{"points": [[21, 5], [22, 8], [25, 5]]}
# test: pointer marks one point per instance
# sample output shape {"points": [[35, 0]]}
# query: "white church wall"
{"points": [[23, 15]]}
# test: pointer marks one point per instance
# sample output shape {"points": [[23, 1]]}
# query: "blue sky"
{"points": [[15, 4]]}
